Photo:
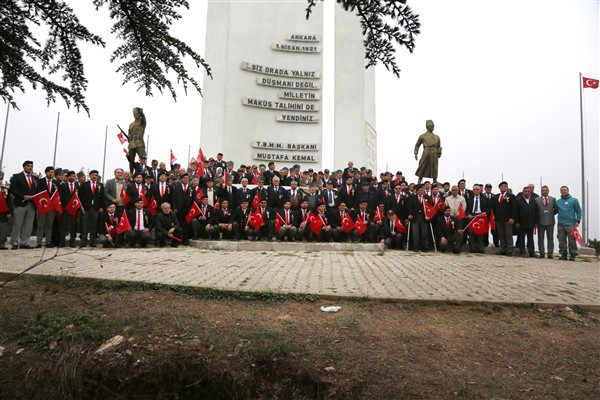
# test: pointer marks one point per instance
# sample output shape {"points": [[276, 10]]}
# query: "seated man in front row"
{"points": [[447, 233], [167, 227], [141, 224], [107, 228]]}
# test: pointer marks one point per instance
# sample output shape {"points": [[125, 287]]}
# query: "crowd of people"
{"points": [[212, 200]]}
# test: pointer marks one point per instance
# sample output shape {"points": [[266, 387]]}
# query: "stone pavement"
{"points": [[397, 275]]}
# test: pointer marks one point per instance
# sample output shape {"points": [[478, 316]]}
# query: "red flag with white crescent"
{"points": [[193, 213], [360, 225], [347, 223], [73, 205], [55, 202], [378, 215], [199, 195], [256, 200], [590, 83], [42, 202], [577, 236], [479, 224], [440, 205], [400, 227], [217, 204], [124, 195], [315, 223], [429, 210], [279, 222], [461, 212], [256, 220], [124, 224]]}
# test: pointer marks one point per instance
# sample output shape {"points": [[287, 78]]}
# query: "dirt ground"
{"points": [[206, 344]]}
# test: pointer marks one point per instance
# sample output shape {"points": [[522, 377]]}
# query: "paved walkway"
{"points": [[384, 275]]}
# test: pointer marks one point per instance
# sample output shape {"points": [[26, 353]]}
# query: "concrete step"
{"points": [[284, 246]]}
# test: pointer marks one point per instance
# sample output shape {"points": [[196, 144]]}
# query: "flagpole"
{"points": [[189, 149], [104, 158], [583, 202], [147, 145], [4, 138], [56, 140]]}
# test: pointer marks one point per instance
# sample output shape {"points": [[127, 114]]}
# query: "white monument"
{"points": [[264, 103]]}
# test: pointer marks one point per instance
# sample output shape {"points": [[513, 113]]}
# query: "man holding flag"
{"points": [[68, 221], [447, 232], [477, 204], [569, 218]]}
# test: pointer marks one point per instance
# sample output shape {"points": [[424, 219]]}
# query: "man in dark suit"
{"points": [[288, 229], [526, 220], [167, 226], [107, 227], [68, 223], [241, 228], [504, 207], [347, 194], [92, 200], [547, 209], [45, 221], [23, 186], [275, 195], [270, 173], [244, 192], [336, 219], [211, 193], [135, 190], [416, 215], [367, 216], [223, 221], [201, 225], [301, 221], [347, 170], [219, 163], [267, 231], [229, 192], [161, 190], [330, 195], [389, 233], [184, 196], [477, 204], [447, 232], [462, 189], [141, 224], [294, 195]]}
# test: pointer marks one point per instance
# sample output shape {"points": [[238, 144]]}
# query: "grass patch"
{"points": [[46, 328]]}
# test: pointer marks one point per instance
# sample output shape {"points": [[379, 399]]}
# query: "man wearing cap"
{"points": [[45, 221], [267, 231], [211, 193], [223, 221], [241, 228], [91, 195], [141, 224], [365, 215], [489, 195], [270, 173], [366, 194], [219, 163], [504, 207], [23, 186]]}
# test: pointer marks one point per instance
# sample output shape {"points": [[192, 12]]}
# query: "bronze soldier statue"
{"points": [[432, 150], [136, 137]]}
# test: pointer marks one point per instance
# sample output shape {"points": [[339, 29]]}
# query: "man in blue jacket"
{"points": [[569, 217]]}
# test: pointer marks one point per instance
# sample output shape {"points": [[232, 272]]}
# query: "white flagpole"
{"points": [[56, 140], [104, 158], [583, 202], [4, 138]]}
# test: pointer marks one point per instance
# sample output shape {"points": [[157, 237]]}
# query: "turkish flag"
{"points": [[492, 221], [42, 202], [73, 205], [279, 222], [461, 212], [200, 157], [256, 201], [143, 197], [400, 227], [121, 137], [172, 157], [590, 83], [440, 205], [256, 220], [360, 225], [152, 205], [200, 171], [193, 213], [315, 223], [217, 204], [124, 224], [199, 195], [255, 179], [429, 210], [3, 204], [575, 232], [378, 216], [347, 223], [479, 224], [124, 196], [55, 202]]}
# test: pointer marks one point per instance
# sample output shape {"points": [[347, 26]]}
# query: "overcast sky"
{"points": [[499, 80]]}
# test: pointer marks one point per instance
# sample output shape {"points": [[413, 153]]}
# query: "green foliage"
{"points": [[148, 52], [381, 36], [50, 327]]}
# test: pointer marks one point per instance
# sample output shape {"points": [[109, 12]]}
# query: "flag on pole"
{"points": [[479, 224], [73, 205], [256, 200], [256, 220], [400, 227], [429, 210], [194, 211], [199, 195], [360, 225], [315, 223], [577, 236], [461, 212], [378, 216], [347, 223], [121, 137], [124, 224], [55, 202], [440, 205], [590, 83], [200, 157], [172, 158], [279, 222], [42, 202]]}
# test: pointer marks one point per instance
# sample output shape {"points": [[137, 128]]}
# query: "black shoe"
{"points": [[563, 256], [161, 244], [26, 246], [49, 246], [550, 256], [3, 248], [37, 246], [572, 258]]}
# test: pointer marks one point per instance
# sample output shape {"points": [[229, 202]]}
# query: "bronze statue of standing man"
{"points": [[136, 137], [432, 150]]}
